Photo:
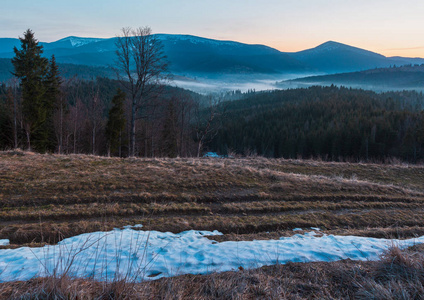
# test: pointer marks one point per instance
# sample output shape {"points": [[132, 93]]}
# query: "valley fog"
{"points": [[243, 83]]}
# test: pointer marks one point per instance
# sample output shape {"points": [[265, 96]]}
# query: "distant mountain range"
{"points": [[191, 56], [195, 54], [186, 54]]}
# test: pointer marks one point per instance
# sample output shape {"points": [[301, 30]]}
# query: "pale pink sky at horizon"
{"points": [[389, 27]]}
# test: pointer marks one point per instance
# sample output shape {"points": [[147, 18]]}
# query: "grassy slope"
{"points": [[45, 198]]}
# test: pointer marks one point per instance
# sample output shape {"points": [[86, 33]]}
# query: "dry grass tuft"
{"points": [[65, 288], [398, 275]]}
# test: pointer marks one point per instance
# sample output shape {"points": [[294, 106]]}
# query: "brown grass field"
{"points": [[45, 198]]}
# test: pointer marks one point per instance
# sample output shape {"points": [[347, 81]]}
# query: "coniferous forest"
{"points": [[330, 123]]}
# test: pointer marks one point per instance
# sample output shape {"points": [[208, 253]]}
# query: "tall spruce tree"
{"points": [[51, 101], [116, 122], [38, 80]]}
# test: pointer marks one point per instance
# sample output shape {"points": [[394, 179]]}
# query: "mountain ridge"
{"points": [[193, 56]]}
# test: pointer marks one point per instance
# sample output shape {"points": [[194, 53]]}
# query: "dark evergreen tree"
{"points": [[51, 102], [31, 68], [52, 83], [116, 122]]}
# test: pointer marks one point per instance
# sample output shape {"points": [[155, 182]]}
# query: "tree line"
{"points": [[91, 117]]}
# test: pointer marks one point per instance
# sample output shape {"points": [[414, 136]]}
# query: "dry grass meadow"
{"points": [[45, 198]]}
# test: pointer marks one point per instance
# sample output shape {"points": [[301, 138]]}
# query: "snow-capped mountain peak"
{"points": [[79, 41]]}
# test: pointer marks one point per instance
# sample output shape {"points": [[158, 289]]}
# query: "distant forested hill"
{"points": [[6, 68], [393, 78], [66, 71], [328, 122]]}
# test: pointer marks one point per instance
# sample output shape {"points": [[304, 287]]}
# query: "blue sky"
{"points": [[390, 27]]}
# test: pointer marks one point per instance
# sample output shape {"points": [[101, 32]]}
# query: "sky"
{"points": [[389, 27]]}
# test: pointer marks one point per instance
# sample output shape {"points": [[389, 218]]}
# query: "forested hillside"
{"points": [[66, 71], [327, 122]]}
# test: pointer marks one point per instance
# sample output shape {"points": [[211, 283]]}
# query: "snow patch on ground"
{"points": [[143, 255]]}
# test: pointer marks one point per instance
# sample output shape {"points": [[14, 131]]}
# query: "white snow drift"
{"points": [[139, 255]]}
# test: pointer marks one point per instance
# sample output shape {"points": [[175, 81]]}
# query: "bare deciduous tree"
{"points": [[141, 70]]}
